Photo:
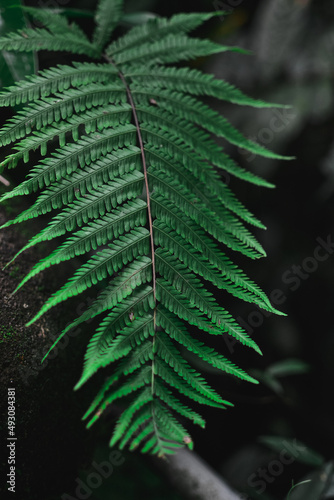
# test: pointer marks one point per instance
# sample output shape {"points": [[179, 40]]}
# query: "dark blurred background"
{"points": [[291, 62]]}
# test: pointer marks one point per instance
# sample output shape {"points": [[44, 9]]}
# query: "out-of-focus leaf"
{"points": [[329, 493], [77, 13], [270, 381], [299, 450], [13, 65], [66, 12], [137, 18], [316, 487], [288, 367], [284, 368]]}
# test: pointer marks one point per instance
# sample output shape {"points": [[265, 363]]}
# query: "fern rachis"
{"points": [[135, 184]]}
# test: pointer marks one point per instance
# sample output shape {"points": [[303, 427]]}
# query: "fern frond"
{"points": [[53, 80], [231, 232], [111, 347], [192, 81], [233, 282], [93, 121], [206, 185], [95, 234], [127, 165], [30, 40], [176, 330], [190, 109], [136, 359], [135, 274], [119, 321], [101, 265], [186, 283], [184, 154], [157, 28], [170, 49], [91, 206], [107, 16], [144, 397], [55, 22], [171, 356], [170, 377], [167, 397], [69, 158], [49, 110]]}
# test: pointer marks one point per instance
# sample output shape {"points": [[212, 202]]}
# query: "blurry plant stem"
{"points": [[194, 478]]}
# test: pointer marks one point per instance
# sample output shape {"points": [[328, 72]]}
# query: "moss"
{"points": [[10, 206], [15, 272], [6, 333]]}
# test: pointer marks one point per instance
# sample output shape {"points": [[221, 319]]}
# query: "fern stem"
{"points": [[141, 145], [148, 200]]}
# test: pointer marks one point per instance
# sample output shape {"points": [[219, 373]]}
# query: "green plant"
{"points": [[137, 172]]}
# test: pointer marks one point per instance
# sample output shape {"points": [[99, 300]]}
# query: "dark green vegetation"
{"points": [[135, 180], [6, 333]]}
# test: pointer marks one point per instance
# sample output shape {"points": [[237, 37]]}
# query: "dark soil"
{"points": [[50, 435]]}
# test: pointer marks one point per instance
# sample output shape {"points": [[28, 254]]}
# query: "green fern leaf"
{"points": [[127, 167], [55, 22], [191, 81], [93, 121], [108, 14], [171, 356], [41, 39], [170, 49], [55, 80], [157, 28], [137, 357], [95, 205], [176, 330], [92, 236], [50, 110], [117, 322], [186, 283], [166, 396], [104, 263], [190, 109]]}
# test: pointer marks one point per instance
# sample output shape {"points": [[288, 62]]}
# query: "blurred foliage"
{"points": [[303, 454], [13, 66]]}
